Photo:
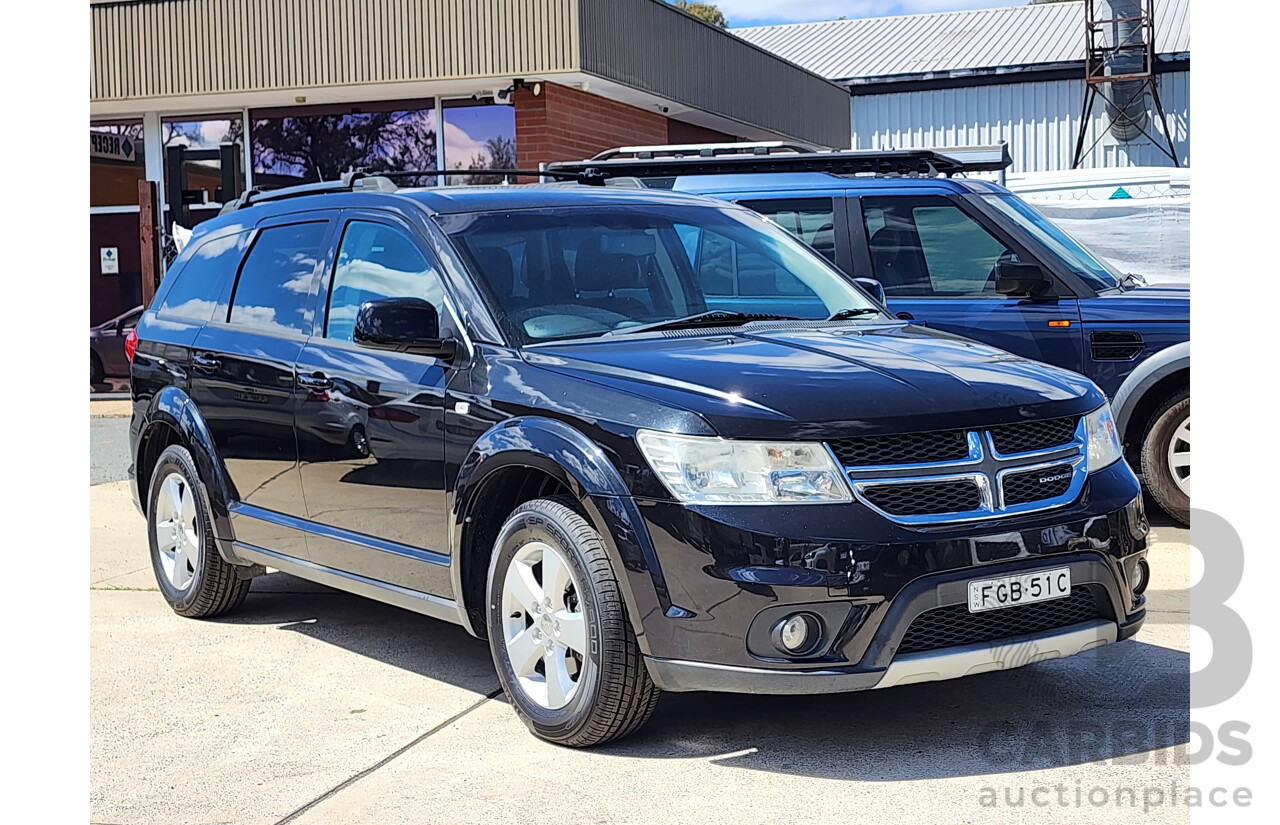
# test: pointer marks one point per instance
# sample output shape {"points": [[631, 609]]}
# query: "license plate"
{"points": [[1020, 588]]}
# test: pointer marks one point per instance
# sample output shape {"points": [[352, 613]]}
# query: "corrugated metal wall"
{"points": [[1038, 119], [197, 47], [644, 45]]}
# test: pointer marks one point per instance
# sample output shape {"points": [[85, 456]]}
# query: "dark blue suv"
{"points": [[534, 411], [968, 257]]}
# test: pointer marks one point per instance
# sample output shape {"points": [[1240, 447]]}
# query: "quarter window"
{"points": [[377, 261], [274, 290], [198, 283], [926, 246]]}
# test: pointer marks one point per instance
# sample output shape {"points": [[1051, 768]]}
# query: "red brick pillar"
{"points": [[563, 123]]}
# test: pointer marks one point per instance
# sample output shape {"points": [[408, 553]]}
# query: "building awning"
{"points": [[191, 56]]}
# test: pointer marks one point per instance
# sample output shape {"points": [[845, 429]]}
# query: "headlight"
{"points": [[701, 470], [1104, 441]]}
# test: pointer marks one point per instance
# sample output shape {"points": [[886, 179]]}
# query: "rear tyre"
{"points": [[193, 577], [1166, 456], [96, 373], [558, 630]]}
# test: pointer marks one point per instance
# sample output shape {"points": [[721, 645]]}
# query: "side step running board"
{"points": [[424, 603]]}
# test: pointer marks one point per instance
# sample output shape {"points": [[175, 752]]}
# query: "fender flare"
{"points": [[1159, 366], [172, 407], [577, 462]]}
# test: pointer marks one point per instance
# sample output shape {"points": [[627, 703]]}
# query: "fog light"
{"points": [[797, 634], [1141, 575]]}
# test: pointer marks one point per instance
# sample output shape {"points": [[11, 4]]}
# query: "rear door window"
{"points": [[812, 220], [274, 292]]}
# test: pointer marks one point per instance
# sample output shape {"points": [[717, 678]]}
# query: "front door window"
{"points": [[928, 247]]}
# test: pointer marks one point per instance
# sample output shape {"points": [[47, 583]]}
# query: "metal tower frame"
{"points": [[1099, 54]]}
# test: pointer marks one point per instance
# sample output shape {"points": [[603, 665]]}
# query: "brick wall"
{"points": [[568, 124]]}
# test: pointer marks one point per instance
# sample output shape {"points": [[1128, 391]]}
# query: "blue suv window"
{"points": [[812, 220], [927, 246], [273, 292], [377, 261]]}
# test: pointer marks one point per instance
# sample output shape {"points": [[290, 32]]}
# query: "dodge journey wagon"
{"points": [[533, 411]]}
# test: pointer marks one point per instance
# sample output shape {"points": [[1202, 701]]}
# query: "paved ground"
{"points": [[109, 449], [314, 706]]}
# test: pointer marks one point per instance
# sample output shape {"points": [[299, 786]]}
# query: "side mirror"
{"points": [[1015, 278], [409, 325], [872, 287]]}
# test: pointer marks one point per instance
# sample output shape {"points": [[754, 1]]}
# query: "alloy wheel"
{"points": [[544, 628], [177, 531], [1179, 455]]}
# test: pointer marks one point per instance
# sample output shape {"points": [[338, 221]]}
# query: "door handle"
{"points": [[315, 381], [204, 363]]}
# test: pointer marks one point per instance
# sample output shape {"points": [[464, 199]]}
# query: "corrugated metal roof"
{"points": [[920, 44]]}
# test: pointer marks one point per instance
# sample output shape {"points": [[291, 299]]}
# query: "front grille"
{"points": [[1026, 436], [953, 626], [906, 448], [926, 498], [1037, 485]]}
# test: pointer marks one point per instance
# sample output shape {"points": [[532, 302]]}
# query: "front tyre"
{"points": [[558, 630], [1166, 456], [193, 577]]}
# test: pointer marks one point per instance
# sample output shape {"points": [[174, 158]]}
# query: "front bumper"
{"points": [[931, 666], [727, 574]]}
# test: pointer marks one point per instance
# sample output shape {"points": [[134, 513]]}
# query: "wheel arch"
{"points": [[527, 458], [173, 418], [1152, 381]]}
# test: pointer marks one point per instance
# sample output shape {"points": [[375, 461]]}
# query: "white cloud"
{"points": [[757, 12], [460, 147]]}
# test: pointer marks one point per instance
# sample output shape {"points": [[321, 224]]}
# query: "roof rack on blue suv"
{"points": [[638, 440], [966, 256], [776, 156]]}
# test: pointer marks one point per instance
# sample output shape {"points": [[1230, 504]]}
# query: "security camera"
{"points": [[503, 96]]}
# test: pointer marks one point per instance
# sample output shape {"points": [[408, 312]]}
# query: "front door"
{"points": [[937, 264], [242, 380], [370, 423]]}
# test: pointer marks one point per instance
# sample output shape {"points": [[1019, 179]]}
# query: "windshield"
{"points": [[587, 271], [1071, 252]]}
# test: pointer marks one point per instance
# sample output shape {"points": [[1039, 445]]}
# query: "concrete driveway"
{"points": [[315, 706]]}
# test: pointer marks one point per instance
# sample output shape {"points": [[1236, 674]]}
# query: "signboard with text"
{"points": [[112, 147]]}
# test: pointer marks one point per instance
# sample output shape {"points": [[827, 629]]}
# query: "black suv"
{"points": [[524, 409]]}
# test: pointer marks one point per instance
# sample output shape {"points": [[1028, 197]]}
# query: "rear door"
{"points": [[242, 378], [370, 423], [936, 261]]}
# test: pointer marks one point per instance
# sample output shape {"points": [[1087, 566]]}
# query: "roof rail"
{"points": [[942, 161], [349, 182], [362, 181], [706, 150]]}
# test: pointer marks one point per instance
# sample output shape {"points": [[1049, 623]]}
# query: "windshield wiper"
{"points": [[712, 318], [846, 314]]}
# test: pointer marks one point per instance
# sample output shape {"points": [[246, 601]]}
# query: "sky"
{"points": [[768, 12]]}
